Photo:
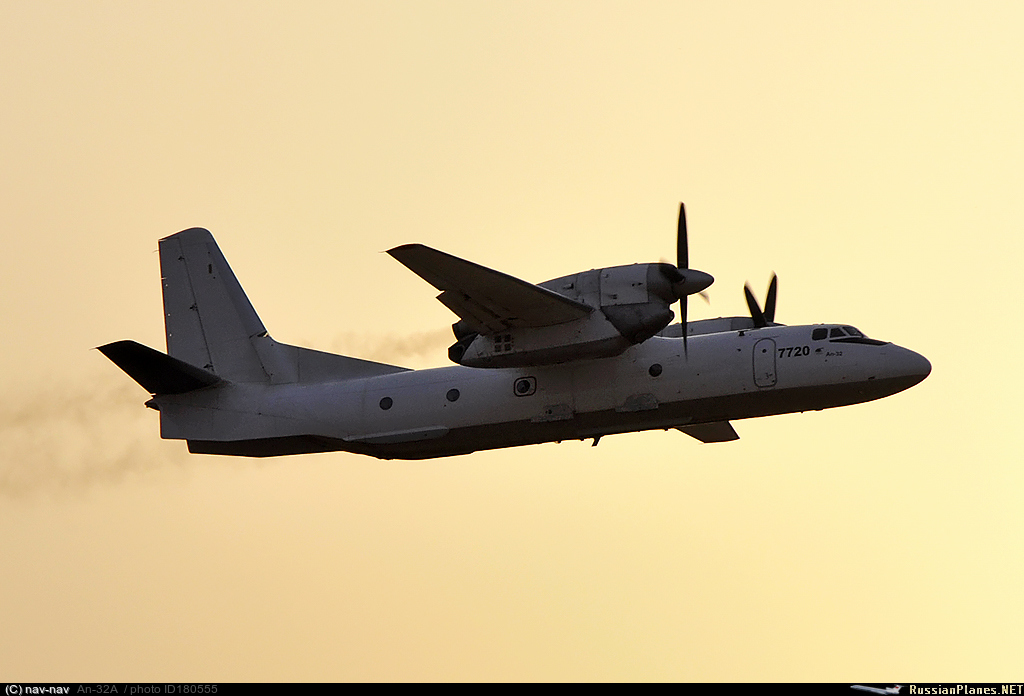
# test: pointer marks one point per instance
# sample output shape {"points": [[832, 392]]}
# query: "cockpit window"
{"points": [[819, 334], [848, 334]]}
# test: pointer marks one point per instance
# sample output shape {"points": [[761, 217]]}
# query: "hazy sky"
{"points": [[869, 152]]}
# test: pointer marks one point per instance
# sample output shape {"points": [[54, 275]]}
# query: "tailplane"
{"points": [[156, 372]]}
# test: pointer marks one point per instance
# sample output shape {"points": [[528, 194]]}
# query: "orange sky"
{"points": [[869, 152]]}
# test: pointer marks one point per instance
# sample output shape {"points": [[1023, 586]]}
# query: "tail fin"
{"points": [[210, 322]]}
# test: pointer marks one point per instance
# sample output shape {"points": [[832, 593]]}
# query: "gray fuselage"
{"points": [[420, 414]]}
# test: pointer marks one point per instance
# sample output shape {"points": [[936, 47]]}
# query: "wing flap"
{"points": [[486, 299], [479, 317]]}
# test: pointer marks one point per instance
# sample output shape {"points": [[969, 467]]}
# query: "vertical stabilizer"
{"points": [[210, 322]]}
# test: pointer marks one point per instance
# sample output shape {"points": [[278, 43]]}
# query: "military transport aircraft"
{"points": [[577, 357]]}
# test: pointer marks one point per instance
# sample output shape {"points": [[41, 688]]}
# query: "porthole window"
{"points": [[452, 395], [524, 386], [386, 403], [654, 370]]}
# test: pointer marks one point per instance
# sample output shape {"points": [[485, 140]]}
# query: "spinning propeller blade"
{"points": [[762, 319], [682, 250], [682, 261], [769, 303], [685, 281], [755, 311]]}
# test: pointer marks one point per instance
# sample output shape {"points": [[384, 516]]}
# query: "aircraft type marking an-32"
{"points": [[577, 357]]}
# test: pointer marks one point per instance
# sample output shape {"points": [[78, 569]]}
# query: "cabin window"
{"points": [[452, 395], [654, 370], [386, 403], [524, 386], [819, 334]]}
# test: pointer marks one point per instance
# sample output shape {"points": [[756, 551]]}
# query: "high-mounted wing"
{"points": [[487, 300]]}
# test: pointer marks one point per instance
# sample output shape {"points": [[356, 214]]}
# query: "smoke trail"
{"points": [[69, 438], [429, 346], [95, 431]]}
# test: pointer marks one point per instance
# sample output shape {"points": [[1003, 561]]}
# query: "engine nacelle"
{"points": [[635, 299], [632, 303]]}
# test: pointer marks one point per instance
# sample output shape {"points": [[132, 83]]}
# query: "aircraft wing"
{"points": [[487, 300]]}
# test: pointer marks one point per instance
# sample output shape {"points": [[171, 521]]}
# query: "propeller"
{"points": [[762, 319], [685, 280]]}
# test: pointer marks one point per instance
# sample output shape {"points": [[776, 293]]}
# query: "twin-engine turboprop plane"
{"points": [[578, 357]]}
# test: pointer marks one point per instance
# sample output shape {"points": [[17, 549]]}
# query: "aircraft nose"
{"points": [[914, 365]]}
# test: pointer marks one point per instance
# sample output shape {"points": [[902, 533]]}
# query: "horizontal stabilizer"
{"points": [[157, 372], [722, 431]]}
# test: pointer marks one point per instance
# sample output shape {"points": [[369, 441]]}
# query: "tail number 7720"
{"points": [[794, 351]]}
